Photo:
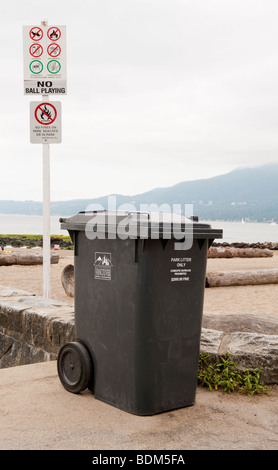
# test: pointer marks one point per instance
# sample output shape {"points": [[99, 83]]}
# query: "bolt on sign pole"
{"points": [[44, 51]]}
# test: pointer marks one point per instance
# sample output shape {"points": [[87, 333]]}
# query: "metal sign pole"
{"points": [[46, 221], [46, 212]]}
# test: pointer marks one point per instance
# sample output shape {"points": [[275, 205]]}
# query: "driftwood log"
{"points": [[25, 258], [213, 279], [242, 278], [67, 279], [233, 252]]}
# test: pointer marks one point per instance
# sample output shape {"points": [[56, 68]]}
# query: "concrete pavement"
{"points": [[37, 413]]}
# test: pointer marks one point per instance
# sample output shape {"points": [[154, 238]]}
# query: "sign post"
{"points": [[46, 221], [44, 51]]}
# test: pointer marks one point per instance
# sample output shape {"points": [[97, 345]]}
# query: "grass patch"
{"points": [[30, 241], [225, 375]]}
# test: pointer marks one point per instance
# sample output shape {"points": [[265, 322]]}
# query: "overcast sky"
{"points": [[159, 92]]}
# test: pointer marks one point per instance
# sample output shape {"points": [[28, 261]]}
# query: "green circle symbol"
{"points": [[36, 66], [53, 66]]}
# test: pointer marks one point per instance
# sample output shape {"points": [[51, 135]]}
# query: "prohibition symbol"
{"points": [[54, 33], [36, 50], [36, 33], [45, 113], [54, 50]]}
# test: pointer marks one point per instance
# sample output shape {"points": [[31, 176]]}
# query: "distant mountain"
{"points": [[249, 193]]}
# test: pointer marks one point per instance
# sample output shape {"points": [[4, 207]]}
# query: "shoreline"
{"points": [[65, 242]]}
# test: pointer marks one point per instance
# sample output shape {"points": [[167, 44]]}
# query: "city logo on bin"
{"points": [[103, 265]]}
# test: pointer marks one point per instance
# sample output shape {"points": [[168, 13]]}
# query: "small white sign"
{"points": [[44, 54], [45, 122]]}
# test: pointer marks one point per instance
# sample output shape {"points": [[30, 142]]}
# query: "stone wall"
{"points": [[32, 329], [247, 350]]}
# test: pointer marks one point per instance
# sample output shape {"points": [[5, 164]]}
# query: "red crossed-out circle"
{"points": [[56, 50], [54, 33], [36, 33], [36, 50], [45, 113]]}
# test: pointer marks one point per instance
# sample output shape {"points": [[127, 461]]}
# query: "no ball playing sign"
{"points": [[44, 60], [45, 122]]}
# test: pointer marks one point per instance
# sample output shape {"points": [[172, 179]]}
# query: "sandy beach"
{"points": [[258, 298], [253, 298]]}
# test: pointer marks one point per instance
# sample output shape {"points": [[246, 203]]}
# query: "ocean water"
{"points": [[28, 224], [249, 232]]}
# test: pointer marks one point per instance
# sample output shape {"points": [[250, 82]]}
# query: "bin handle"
{"points": [[138, 212], [127, 212]]}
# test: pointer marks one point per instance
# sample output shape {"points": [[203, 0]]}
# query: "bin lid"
{"points": [[138, 224]]}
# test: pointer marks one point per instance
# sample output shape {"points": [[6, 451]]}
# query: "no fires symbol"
{"points": [[45, 113]]}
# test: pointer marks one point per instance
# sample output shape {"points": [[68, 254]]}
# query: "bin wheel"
{"points": [[74, 366]]}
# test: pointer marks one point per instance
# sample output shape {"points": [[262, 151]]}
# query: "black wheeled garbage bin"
{"points": [[139, 290]]}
